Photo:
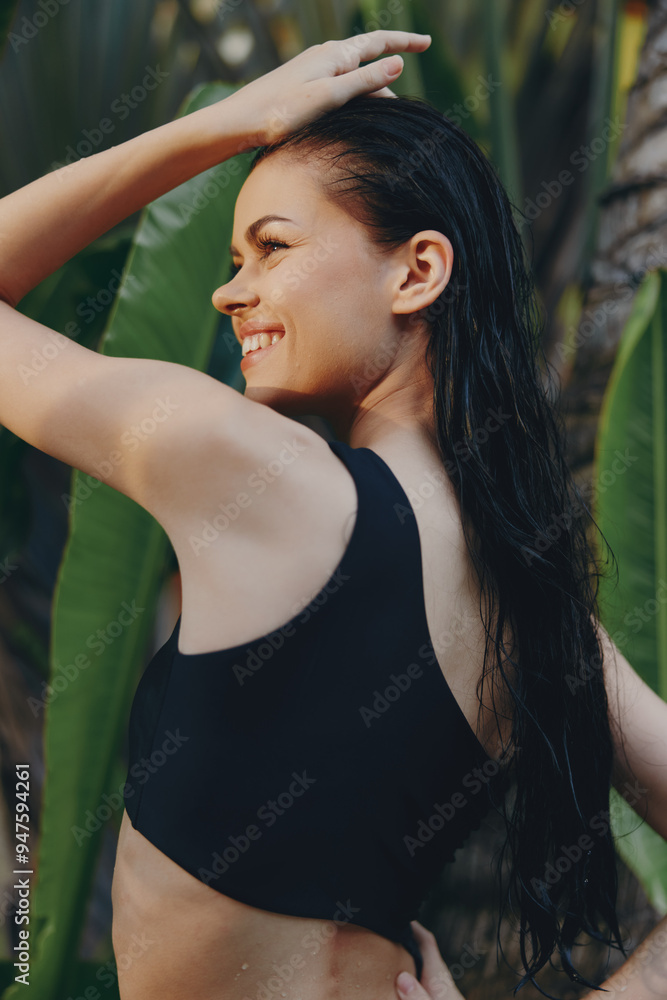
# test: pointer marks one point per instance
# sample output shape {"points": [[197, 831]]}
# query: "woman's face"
{"points": [[327, 287]]}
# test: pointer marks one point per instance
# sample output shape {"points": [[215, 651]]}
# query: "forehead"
{"points": [[281, 185]]}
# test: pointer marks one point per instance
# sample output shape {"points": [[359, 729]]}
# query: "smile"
{"points": [[253, 355], [260, 341]]}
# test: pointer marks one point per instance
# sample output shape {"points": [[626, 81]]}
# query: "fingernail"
{"points": [[406, 983], [393, 65]]}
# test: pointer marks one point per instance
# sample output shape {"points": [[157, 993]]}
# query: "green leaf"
{"points": [[631, 493], [115, 563], [7, 12]]}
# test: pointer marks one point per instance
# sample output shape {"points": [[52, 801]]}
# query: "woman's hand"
{"points": [[323, 77], [436, 982]]}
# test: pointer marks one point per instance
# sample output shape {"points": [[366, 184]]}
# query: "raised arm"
{"points": [[48, 221], [79, 404]]}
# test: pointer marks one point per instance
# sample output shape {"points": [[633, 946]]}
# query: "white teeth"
{"points": [[259, 340]]}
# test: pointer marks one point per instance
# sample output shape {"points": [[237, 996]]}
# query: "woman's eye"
{"points": [[265, 243]]}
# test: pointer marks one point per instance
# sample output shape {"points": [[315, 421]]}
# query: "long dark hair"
{"points": [[405, 167]]}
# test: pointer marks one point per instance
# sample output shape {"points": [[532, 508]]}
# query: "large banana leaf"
{"points": [[632, 514], [115, 560]]}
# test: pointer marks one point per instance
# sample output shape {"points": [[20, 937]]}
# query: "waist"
{"points": [[174, 936]]}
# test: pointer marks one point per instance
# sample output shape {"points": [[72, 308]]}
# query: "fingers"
{"points": [[408, 986], [436, 978], [351, 79], [371, 44], [367, 79]]}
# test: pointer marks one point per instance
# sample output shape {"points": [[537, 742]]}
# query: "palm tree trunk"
{"points": [[631, 240]]}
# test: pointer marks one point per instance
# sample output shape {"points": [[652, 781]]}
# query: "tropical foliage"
{"points": [[631, 501]]}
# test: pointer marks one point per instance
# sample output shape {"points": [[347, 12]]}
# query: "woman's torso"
{"points": [[173, 934]]}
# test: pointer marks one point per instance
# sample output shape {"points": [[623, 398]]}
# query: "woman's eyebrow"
{"points": [[254, 227]]}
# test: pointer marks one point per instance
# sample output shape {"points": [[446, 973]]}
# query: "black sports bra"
{"points": [[323, 769]]}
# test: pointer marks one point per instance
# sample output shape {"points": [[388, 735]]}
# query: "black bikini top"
{"points": [[323, 769]]}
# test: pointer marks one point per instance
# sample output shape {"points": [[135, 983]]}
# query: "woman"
{"points": [[318, 775]]}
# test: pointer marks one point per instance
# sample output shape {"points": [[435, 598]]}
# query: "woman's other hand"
{"points": [[323, 77], [436, 981]]}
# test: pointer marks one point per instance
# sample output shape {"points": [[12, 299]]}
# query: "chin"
{"points": [[288, 402]]}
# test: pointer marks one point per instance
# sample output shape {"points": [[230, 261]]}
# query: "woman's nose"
{"points": [[231, 296]]}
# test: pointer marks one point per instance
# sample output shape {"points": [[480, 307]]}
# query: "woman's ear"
{"points": [[423, 269]]}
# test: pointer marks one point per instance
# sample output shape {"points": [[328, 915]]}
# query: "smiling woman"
{"points": [[311, 253], [307, 808]]}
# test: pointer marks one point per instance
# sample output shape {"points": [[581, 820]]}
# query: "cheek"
{"points": [[336, 310]]}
